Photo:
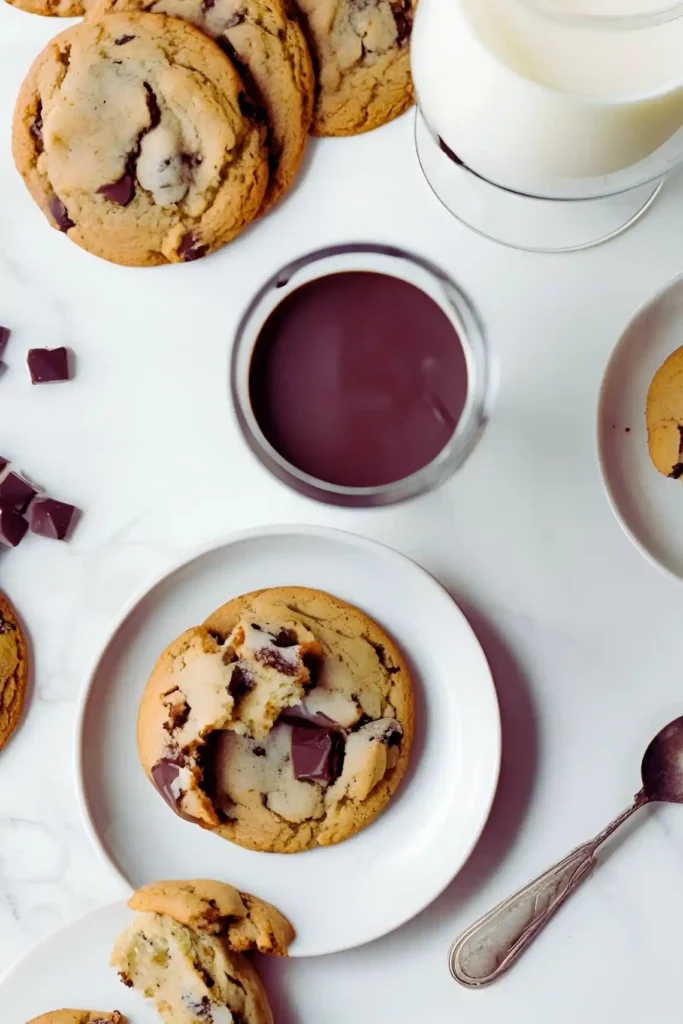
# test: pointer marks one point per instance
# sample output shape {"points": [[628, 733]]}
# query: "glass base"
{"points": [[522, 222]]}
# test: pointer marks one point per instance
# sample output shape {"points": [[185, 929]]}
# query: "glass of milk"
{"points": [[548, 124]]}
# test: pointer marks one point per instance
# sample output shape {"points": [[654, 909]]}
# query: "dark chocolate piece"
{"points": [[190, 249], [48, 365], [403, 16], [241, 682], [327, 355], [4, 338], [254, 111], [122, 40], [271, 656], [120, 192], [298, 715], [164, 774], [285, 638], [61, 214], [51, 518], [317, 754], [37, 126], [3, 463], [16, 493], [13, 527]]}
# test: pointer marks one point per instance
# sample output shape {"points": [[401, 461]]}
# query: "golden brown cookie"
{"points": [[362, 56], [182, 951], [664, 416], [51, 8], [246, 922], [130, 135], [270, 51], [79, 1017], [14, 670], [283, 723]]}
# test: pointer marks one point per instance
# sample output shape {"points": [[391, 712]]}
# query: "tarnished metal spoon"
{"points": [[491, 946]]}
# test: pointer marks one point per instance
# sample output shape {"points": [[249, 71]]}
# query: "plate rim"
{"points": [[228, 540], [640, 310]]}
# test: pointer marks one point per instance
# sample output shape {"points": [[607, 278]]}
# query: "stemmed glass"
{"points": [[548, 125]]}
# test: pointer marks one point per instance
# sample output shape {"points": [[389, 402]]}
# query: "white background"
{"points": [[585, 638]]}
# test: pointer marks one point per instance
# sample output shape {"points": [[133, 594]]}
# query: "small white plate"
{"points": [[343, 895], [71, 969], [648, 506]]}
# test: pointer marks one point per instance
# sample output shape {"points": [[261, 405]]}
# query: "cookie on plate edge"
{"points": [[285, 722]]}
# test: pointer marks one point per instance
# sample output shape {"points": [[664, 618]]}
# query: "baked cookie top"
{"points": [[130, 136], [362, 55], [270, 51], [664, 416], [51, 8], [14, 670], [192, 977], [79, 1017], [283, 723], [246, 922]]}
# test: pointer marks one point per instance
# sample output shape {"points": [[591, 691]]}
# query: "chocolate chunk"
{"points": [[4, 338], [122, 40], [164, 773], [3, 463], [13, 527], [54, 519], [48, 365], [190, 249], [241, 682], [271, 656], [16, 493], [207, 5], [317, 754], [254, 111], [314, 664], [403, 16], [285, 638], [120, 192], [259, 751], [299, 715], [37, 126], [61, 214]]}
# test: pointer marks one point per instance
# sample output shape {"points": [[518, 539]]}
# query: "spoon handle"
{"points": [[494, 943]]}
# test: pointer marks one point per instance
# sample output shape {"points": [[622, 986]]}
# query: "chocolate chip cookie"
{"points": [[14, 670], [185, 951], [131, 136], [270, 51], [362, 52], [50, 8], [664, 417], [285, 722], [79, 1017]]}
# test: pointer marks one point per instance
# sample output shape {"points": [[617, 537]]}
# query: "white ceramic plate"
{"points": [[648, 506], [70, 969], [343, 895]]}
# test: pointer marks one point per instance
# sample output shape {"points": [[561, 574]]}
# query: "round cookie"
{"points": [[14, 670], [51, 8], [79, 1017], [178, 953], [362, 55], [664, 416], [246, 922], [271, 54], [285, 722], [130, 137]]}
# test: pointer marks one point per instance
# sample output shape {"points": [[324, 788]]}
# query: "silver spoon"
{"points": [[494, 943]]}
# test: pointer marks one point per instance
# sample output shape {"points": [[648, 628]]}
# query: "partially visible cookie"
{"points": [[14, 670], [664, 416], [190, 973], [131, 136], [51, 8], [79, 1017], [265, 42], [283, 723], [362, 55], [246, 922]]}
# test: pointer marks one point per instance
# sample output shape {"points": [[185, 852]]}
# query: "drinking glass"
{"points": [[548, 125]]}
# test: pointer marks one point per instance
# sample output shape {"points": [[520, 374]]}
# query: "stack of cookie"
{"points": [[154, 131]]}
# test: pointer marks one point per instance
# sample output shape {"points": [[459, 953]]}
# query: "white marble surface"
{"points": [[583, 635]]}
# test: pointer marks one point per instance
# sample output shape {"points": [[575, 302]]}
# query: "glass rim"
{"points": [[624, 21], [473, 339]]}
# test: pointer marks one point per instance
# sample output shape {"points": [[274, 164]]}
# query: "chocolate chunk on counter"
{"points": [[13, 527], [54, 519], [16, 493], [4, 338], [49, 365], [317, 754]]}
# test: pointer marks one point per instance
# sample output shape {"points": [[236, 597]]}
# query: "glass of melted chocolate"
{"points": [[360, 375]]}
